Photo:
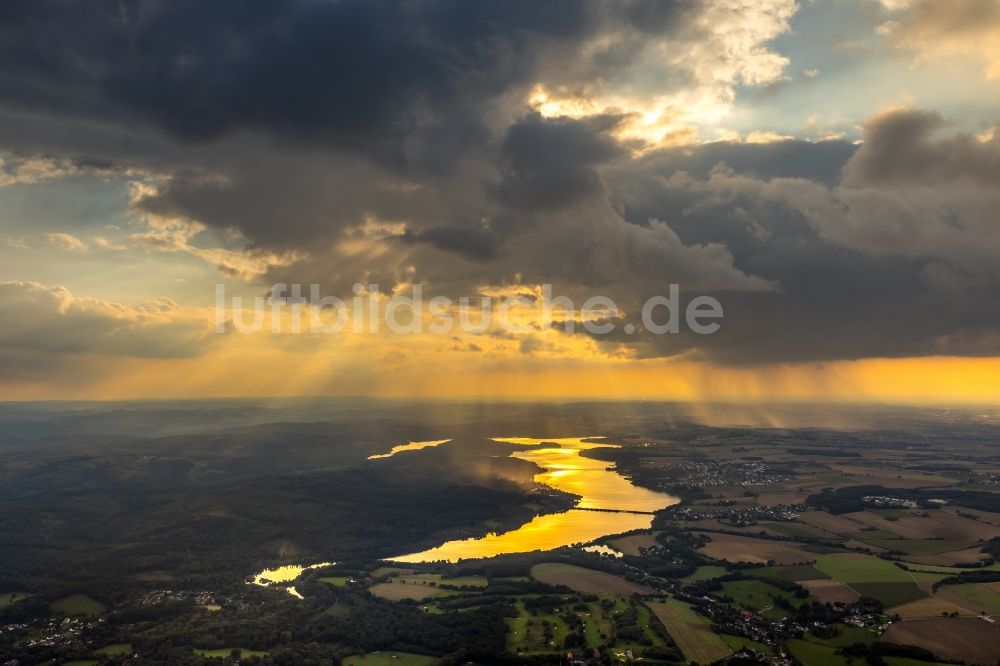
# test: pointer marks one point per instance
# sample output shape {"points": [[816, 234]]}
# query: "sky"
{"points": [[825, 170]]}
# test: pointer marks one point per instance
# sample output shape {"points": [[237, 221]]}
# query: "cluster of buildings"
{"points": [[745, 474], [55, 631], [886, 502], [863, 619], [740, 515], [748, 623], [160, 597]]}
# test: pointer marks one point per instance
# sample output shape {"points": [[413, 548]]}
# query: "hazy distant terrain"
{"points": [[152, 516]]}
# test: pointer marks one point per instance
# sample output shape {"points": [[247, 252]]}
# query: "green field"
{"points": [[422, 578], [876, 534], [78, 604], [890, 594], [464, 581], [692, 632], [588, 581], [336, 581], [790, 529], [979, 594], [527, 632], [8, 598], [919, 546], [794, 572], [846, 636], [813, 654], [115, 649], [861, 569], [645, 618], [705, 573], [398, 589], [385, 571], [225, 652], [754, 594], [813, 650], [596, 622], [872, 577], [921, 576], [419, 586], [428, 578], [737, 643], [389, 659], [890, 513]]}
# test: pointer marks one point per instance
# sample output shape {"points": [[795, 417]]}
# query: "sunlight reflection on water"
{"points": [[565, 469], [285, 574]]}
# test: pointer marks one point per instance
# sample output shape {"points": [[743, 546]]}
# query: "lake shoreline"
{"points": [[615, 504]]}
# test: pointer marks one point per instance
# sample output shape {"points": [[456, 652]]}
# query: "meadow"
{"points": [[691, 631], [225, 653], [79, 604], [580, 579], [856, 568], [8, 598], [115, 650], [390, 658]]}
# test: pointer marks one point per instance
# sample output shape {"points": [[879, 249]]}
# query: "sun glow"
{"points": [[644, 123]]}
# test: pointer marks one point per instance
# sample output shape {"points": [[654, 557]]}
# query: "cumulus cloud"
{"points": [[172, 231], [65, 241], [28, 171], [931, 29], [549, 163], [476, 244], [914, 191], [711, 47], [764, 136], [908, 190], [51, 319], [319, 115], [481, 144], [897, 256], [405, 83], [907, 147]]}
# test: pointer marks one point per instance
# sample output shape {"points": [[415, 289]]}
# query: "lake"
{"points": [[563, 468], [412, 446], [283, 575]]}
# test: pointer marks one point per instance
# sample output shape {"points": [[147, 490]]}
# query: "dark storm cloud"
{"points": [[821, 161], [398, 133], [895, 257], [399, 81], [477, 244], [659, 16], [901, 148], [291, 120], [662, 186], [550, 163], [834, 304]]}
